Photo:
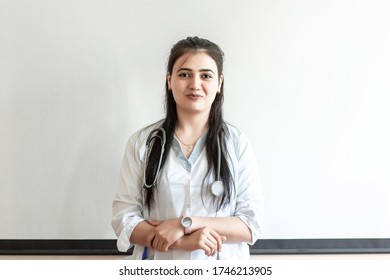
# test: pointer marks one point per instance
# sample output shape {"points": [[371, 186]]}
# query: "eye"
{"points": [[184, 75], [207, 76]]}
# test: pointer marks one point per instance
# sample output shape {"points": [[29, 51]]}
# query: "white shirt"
{"points": [[180, 192]]}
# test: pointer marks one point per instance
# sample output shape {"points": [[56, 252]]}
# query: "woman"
{"points": [[166, 203]]}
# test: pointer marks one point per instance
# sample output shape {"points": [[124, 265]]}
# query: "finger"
{"points": [[207, 252], [212, 245], [217, 245], [212, 242], [150, 242], [165, 247], [161, 246], [212, 252], [155, 243], [217, 240], [205, 248]]}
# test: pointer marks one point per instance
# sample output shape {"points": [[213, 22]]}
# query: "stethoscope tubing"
{"points": [[216, 187], [152, 137]]}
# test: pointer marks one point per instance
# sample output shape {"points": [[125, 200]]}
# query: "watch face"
{"points": [[186, 221]]}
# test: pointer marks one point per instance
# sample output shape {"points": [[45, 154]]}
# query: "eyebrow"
{"points": [[189, 69]]}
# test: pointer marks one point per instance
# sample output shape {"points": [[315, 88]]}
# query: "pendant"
{"points": [[188, 148]]}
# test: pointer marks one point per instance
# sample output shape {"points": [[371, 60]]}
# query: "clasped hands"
{"points": [[170, 235]]}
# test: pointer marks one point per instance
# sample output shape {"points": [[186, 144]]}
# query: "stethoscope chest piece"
{"points": [[217, 188]]}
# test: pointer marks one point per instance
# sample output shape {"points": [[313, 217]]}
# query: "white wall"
{"points": [[308, 81]]}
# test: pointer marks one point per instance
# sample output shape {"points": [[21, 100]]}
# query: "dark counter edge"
{"points": [[261, 247]]}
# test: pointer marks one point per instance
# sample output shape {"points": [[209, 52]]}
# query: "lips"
{"points": [[192, 95]]}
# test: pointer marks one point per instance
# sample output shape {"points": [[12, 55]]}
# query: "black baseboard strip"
{"points": [[261, 247], [322, 246], [59, 247]]}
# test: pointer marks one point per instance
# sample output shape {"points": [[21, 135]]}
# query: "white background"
{"points": [[308, 81]]}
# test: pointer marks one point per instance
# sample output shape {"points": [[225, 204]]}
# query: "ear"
{"points": [[220, 83], [169, 81]]}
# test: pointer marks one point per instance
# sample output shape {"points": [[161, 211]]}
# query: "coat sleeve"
{"points": [[128, 202], [249, 204]]}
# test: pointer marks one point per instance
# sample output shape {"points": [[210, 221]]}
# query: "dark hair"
{"points": [[217, 126]]}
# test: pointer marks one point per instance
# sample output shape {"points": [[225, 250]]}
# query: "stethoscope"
{"points": [[154, 134], [159, 133], [216, 187]]}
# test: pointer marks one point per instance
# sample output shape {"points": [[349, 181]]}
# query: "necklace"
{"points": [[189, 147]]}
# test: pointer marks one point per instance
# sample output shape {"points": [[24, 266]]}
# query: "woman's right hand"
{"points": [[204, 238], [166, 233]]}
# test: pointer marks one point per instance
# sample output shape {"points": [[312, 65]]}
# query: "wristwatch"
{"points": [[186, 222]]}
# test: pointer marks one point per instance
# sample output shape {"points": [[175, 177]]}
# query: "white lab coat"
{"points": [[180, 189]]}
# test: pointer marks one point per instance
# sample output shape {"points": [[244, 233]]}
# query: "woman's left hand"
{"points": [[167, 233]]}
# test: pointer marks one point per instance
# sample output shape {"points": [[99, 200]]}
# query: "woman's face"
{"points": [[194, 82]]}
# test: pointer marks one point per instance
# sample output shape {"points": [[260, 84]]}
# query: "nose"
{"points": [[195, 83]]}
